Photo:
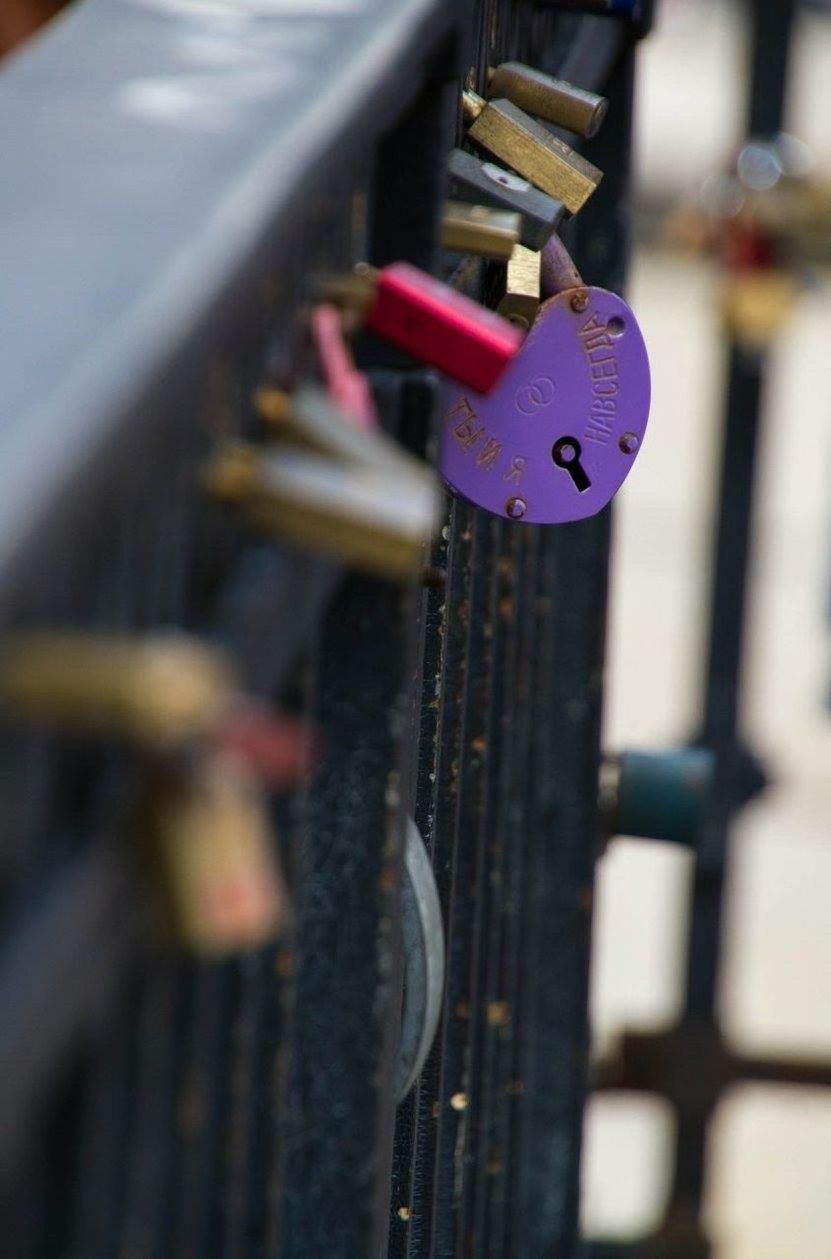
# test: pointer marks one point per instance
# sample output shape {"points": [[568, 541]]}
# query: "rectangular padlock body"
{"points": [[472, 180], [529, 148], [479, 229], [442, 327], [521, 299]]}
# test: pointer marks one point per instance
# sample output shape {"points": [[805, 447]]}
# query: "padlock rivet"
{"points": [[516, 508], [580, 301], [628, 443]]}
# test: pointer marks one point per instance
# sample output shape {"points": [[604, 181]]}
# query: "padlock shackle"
{"points": [[558, 271]]}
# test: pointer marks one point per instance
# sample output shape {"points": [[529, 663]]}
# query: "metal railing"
{"points": [[174, 173]]}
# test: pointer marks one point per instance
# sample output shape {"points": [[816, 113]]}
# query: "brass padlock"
{"points": [[520, 301], [377, 516], [309, 419], [530, 149], [478, 229], [756, 304], [552, 99], [157, 691], [204, 831]]}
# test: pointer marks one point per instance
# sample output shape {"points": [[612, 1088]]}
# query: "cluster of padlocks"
{"points": [[544, 411]]}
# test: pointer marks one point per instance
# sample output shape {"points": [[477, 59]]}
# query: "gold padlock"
{"points": [[756, 304], [552, 99], [308, 418], [330, 486], [204, 831], [376, 518], [156, 691], [520, 301], [531, 150], [478, 229]]}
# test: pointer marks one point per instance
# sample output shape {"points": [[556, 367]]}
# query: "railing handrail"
{"points": [[154, 154]]}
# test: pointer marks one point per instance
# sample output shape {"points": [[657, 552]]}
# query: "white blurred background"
{"points": [[770, 1150]]}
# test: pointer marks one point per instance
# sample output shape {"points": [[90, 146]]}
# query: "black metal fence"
{"points": [[174, 174]]}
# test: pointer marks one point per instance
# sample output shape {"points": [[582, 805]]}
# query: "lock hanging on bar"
{"points": [[206, 840], [331, 487], [489, 184], [555, 440], [520, 301], [477, 229], [551, 99], [158, 691], [531, 150], [207, 753], [347, 387], [430, 321]]}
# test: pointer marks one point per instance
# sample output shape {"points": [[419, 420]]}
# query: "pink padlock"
{"points": [[347, 387]]}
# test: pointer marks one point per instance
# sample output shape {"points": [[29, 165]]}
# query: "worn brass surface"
{"points": [[756, 305], [551, 99], [308, 418], [477, 229], [376, 516], [204, 832], [157, 691], [528, 148], [521, 299]]}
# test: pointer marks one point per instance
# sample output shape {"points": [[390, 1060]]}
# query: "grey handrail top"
{"points": [[148, 151]]}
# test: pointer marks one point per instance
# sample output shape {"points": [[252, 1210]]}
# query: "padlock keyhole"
{"points": [[566, 455]]}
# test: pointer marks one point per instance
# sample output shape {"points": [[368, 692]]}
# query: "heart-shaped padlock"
{"points": [[555, 439]]}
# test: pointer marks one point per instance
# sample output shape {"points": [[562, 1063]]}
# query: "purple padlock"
{"points": [[556, 438]]}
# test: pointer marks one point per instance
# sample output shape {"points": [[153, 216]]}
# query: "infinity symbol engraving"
{"points": [[534, 394]]}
